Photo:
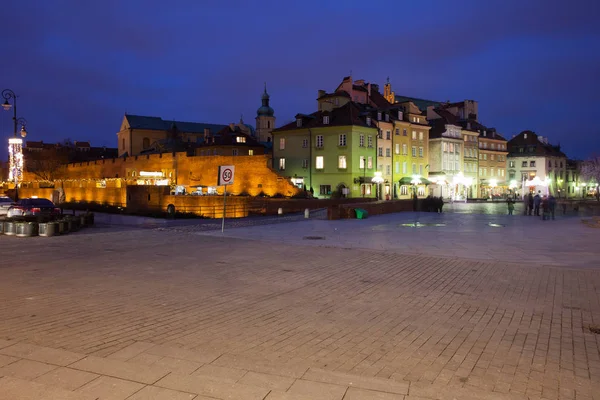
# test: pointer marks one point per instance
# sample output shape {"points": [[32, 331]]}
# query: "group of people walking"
{"points": [[533, 205]]}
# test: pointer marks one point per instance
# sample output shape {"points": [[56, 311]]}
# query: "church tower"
{"points": [[265, 119], [387, 92]]}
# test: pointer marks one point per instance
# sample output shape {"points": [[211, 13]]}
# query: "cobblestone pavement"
{"points": [[148, 314]]}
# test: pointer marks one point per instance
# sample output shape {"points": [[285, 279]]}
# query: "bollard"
{"points": [[280, 211], [306, 213]]}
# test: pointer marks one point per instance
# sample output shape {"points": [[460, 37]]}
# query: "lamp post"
{"points": [[15, 144]]}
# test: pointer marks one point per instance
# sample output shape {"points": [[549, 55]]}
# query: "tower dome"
{"points": [[265, 110]]}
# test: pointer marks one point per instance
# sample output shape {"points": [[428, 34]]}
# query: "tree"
{"points": [[590, 171], [47, 164]]}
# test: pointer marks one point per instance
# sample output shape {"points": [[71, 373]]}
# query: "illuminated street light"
{"points": [[15, 144]]}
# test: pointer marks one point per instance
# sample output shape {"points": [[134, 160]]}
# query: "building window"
{"points": [[320, 162], [250, 152], [414, 151], [299, 122], [361, 140], [387, 117], [369, 141], [485, 157], [403, 190], [379, 116], [492, 157], [145, 143], [319, 141], [240, 139], [405, 149], [234, 152], [282, 164], [414, 135], [370, 162], [380, 167], [380, 152], [420, 151], [380, 134], [420, 169], [404, 167], [282, 144], [361, 162], [524, 164], [388, 169], [304, 143], [324, 190], [342, 139], [397, 131], [388, 152], [342, 162], [420, 135], [325, 119], [397, 167], [305, 163], [444, 146], [268, 124], [366, 189], [388, 135], [532, 163], [369, 121], [397, 148], [414, 168], [404, 133]]}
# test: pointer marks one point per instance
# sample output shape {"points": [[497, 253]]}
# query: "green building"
{"points": [[332, 151]]}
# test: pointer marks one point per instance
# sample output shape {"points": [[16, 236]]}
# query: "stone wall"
{"points": [[373, 208]]}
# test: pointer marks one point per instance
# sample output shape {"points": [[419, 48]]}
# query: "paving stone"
{"points": [[278, 395], [225, 374], [268, 381], [66, 378], [19, 389], [26, 369], [120, 369], [340, 378], [363, 394], [5, 343], [285, 368], [184, 354], [42, 354], [108, 388], [177, 365], [157, 393], [318, 390], [130, 351], [212, 388], [5, 360]]}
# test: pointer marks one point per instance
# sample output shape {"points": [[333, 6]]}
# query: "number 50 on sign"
{"points": [[226, 173]]}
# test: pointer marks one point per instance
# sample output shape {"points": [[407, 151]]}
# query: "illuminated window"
{"points": [[361, 162], [282, 144], [342, 162], [305, 163], [282, 164], [403, 190], [404, 167], [250, 152], [320, 162], [397, 148], [414, 135], [397, 165], [240, 139], [370, 162], [405, 149], [366, 189], [324, 190], [420, 135]]}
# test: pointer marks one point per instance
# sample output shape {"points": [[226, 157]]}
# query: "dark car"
{"points": [[33, 207]]}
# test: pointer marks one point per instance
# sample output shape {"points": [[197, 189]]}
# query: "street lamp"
{"points": [[378, 180], [15, 144]]}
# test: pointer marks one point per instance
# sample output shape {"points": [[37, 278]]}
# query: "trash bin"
{"points": [[361, 213]]}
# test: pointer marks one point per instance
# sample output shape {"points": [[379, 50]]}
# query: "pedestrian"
{"points": [[511, 206], [552, 205], [537, 200], [545, 208], [525, 204], [530, 203]]}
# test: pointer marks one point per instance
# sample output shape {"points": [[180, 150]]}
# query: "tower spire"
{"points": [[265, 87]]}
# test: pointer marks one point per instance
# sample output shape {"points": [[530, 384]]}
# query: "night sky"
{"points": [[78, 66]]}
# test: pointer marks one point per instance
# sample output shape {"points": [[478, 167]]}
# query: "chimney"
{"points": [[206, 134], [321, 93], [369, 89]]}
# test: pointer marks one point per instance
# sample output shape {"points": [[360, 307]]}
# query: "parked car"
{"points": [[5, 204], [33, 207]]}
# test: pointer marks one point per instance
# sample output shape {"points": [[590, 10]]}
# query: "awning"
{"points": [[407, 180]]}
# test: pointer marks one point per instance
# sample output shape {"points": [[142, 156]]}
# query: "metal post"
{"points": [[224, 203]]}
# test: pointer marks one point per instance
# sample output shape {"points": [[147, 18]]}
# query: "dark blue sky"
{"points": [[78, 66]]}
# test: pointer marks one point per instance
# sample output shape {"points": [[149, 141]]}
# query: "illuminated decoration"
{"points": [[493, 183], [513, 184], [15, 159], [152, 174], [537, 182], [416, 180], [377, 178]]}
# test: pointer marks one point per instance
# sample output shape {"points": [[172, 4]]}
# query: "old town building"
{"points": [[536, 165]]}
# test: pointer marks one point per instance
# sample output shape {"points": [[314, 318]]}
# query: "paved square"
{"points": [[374, 310]]}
